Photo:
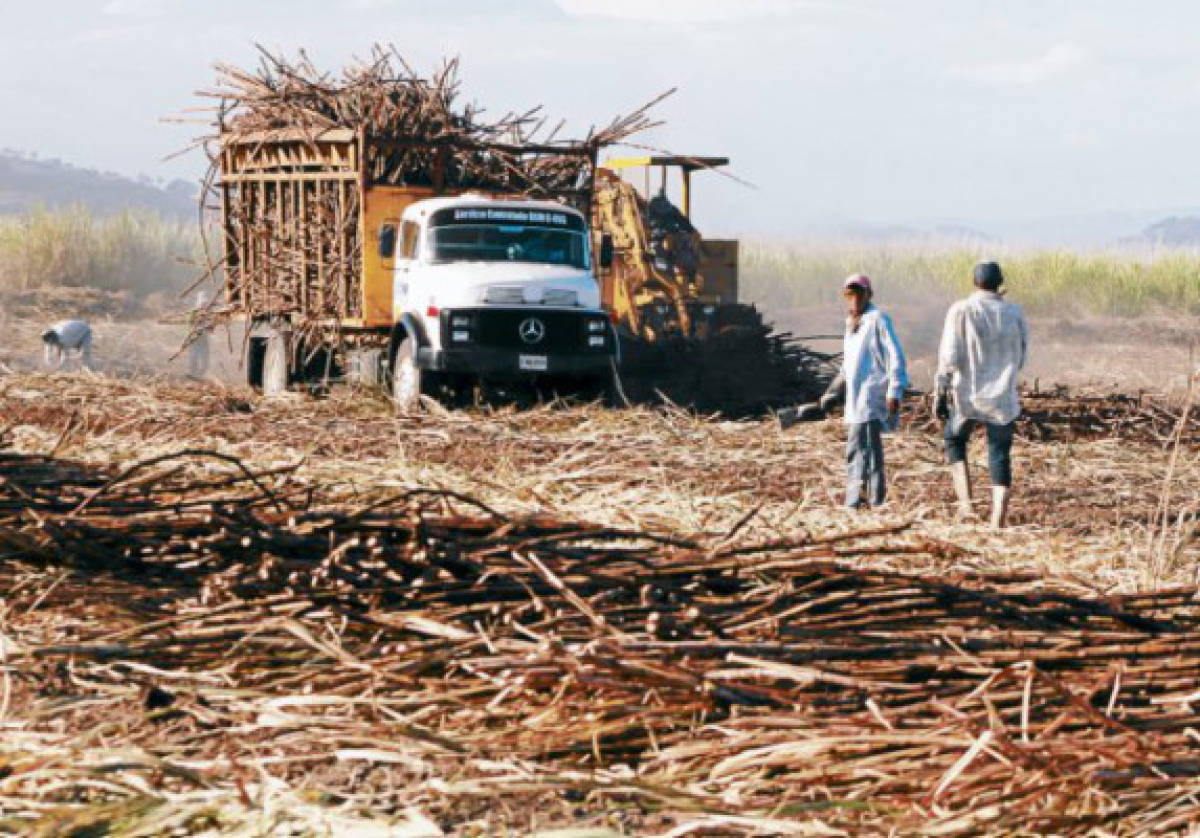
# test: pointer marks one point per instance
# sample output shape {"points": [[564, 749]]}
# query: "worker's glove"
{"points": [[941, 401]]}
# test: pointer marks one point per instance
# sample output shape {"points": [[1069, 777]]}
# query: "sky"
{"points": [[863, 112]]}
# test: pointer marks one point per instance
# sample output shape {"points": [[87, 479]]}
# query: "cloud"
{"points": [[108, 34], [1076, 138], [675, 11], [1057, 60], [135, 8]]}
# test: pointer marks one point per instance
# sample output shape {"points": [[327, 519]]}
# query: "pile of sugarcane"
{"points": [[1057, 414], [742, 368], [414, 125], [190, 642]]}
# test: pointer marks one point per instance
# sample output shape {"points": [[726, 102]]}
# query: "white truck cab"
{"points": [[499, 289]]}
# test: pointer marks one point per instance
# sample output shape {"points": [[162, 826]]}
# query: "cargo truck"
{"points": [[422, 289]]}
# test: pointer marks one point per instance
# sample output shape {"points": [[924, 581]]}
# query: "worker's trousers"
{"points": [[999, 442], [864, 464]]}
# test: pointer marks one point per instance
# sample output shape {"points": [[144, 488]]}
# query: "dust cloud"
{"points": [[1154, 354]]}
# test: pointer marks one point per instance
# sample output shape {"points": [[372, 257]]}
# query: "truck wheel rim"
{"points": [[274, 378], [406, 383]]}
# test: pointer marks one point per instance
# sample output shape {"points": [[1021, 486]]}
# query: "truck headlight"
{"points": [[461, 321], [596, 326], [460, 336], [596, 341]]}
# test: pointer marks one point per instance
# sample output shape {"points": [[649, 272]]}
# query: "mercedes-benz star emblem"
{"points": [[532, 330]]}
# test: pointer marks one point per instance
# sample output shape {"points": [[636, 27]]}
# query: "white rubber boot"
{"points": [[962, 489], [1000, 495]]}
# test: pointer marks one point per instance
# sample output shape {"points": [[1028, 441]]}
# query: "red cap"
{"points": [[858, 281]]}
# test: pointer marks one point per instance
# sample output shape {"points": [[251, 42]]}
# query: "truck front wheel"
{"points": [[406, 377], [276, 364]]}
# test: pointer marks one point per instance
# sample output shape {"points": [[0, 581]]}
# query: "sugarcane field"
{"points": [[676, 457]]}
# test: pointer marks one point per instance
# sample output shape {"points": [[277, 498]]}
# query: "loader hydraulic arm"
{"points": [[636, 282]]}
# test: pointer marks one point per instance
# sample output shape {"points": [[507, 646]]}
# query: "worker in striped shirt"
{"points": [[984, 346]]}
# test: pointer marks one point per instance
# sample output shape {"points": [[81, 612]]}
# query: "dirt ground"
{"points": [[122, 348]]}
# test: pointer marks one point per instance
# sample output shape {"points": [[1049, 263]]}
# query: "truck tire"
{"points": [[406, 377], [612, 392], [276, 365], [605, 389]]}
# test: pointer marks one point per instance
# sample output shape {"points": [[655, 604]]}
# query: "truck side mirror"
{"points": [[606, 251]]}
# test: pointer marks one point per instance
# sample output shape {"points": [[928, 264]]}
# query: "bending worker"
{"points": [[67, 336], [984, 346], [873, 378]]}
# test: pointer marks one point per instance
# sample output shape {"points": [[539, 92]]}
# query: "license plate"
{"points": [[532, 363]]}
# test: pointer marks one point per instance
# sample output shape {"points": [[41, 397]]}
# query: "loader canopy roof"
{"points": [[681, 160]]}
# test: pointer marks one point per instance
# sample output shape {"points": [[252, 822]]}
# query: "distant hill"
{"points": [[1176, 231], [27, 182], [963, 233], [899, 233]]}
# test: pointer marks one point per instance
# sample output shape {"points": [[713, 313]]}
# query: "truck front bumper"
{"points": [[505, 364]]}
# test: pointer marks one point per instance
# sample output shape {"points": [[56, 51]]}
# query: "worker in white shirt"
{"points": [[872, 379], [984, 346], [65, 337]]}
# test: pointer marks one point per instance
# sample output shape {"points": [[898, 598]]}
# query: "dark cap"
{"points": [[988, 276]]}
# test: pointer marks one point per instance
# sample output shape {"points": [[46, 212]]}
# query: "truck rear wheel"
{"points": [[406, 377], [256, 348], [609, 389], [603, 389]]}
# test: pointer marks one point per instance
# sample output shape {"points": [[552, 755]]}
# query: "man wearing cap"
{"points": [[984, 346], [873, 378]]}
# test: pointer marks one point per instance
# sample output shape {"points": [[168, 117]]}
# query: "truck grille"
{"points": [[561, 331]]}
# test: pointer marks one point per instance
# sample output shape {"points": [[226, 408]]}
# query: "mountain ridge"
{"points": [[28, 182]]}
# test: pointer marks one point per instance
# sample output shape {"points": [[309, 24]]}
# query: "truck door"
{"points": [[382, 209], [407, 253], [385, 235]]}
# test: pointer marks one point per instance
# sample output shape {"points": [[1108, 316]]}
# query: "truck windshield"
{"points": [[507, 243]]}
